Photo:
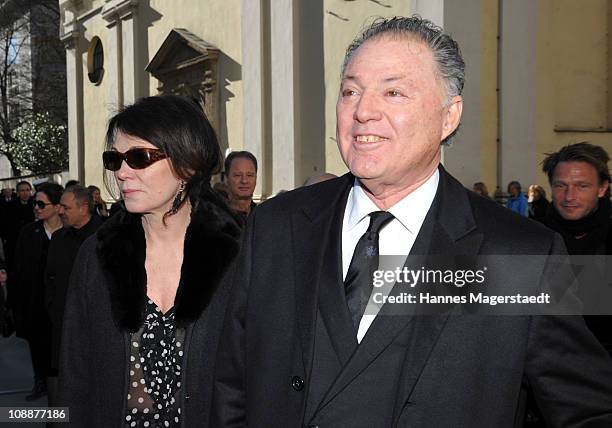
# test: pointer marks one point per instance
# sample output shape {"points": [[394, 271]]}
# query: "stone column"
{"points": [[132, 69], [122, 18], [113, 65], [518, 91], [253, 86], [285, 148], [74, 83]]}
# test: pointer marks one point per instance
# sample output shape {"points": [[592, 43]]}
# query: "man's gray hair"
{"points": [[445, 50]]}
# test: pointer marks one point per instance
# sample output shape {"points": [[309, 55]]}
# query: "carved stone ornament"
{"points": [[187, 65]]}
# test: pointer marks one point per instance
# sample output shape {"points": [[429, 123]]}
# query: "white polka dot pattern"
{"points": [[155, 371]]}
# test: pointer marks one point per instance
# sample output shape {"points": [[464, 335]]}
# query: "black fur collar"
{"points": [[211, 243]]}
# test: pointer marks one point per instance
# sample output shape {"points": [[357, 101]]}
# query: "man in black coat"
{"points": [[581, 213], [79, 223], [300, 349], [17, 214]]}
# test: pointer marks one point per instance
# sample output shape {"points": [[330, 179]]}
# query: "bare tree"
{"points": [[32, 70]]}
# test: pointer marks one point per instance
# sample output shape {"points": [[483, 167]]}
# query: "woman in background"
{"points": [[538, 204], [481, 189], [28, 303], [145, 304], [99, 204]]}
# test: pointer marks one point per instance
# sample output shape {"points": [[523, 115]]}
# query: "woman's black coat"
{"points": [[106, 302]]}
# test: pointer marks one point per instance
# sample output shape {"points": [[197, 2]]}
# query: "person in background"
{"points": [[517, 201], [581, 213], [7, 196], [99, 204], [71, 183], [32, 322], [76, 212], [7, 326], [146, 300], [481, 189], [538, 204], [18, 213], [580, 182], [241, 174]]}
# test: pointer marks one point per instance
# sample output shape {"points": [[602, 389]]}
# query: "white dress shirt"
{"points": [[396, 238]]}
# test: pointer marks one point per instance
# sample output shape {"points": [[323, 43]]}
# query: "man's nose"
{"points": [[368, 107], [570, 193]]}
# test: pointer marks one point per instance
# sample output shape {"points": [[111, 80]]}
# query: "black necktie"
{"points": [[358, 283]]}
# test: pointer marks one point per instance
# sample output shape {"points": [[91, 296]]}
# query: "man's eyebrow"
{"points": [[393, 78], [389, 79]]}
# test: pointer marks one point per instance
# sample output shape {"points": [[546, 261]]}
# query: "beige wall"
{"points": [[155, 20], [553, 68], [572, 76], [217, 22]]}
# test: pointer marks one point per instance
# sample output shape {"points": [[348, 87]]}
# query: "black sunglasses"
{"points": [[138, 158], [41, 204]]}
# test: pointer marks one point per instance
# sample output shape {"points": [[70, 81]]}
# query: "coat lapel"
{"points": [[318, 274], [448, 229]]}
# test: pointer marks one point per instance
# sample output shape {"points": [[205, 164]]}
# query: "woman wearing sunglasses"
{"points": [[31, 320], [145, 304]]}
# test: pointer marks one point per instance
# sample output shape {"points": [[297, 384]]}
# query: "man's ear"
{"points": [[603, 189], [452, 116]]}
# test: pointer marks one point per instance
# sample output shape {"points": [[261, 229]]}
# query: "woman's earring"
{"points": [[178, 198]]}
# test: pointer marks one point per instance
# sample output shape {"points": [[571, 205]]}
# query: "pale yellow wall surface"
{"points": [[218, 22], [579, 68], [571, 77], [95, 105], [488, 93], [338, 35]]}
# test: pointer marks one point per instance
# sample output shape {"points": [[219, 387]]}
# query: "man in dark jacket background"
{"points": [[580, 212], [79, 223], [579, 178], [17, 213]]}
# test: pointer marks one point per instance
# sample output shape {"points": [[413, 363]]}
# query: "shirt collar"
{"points": [[409, 211]]}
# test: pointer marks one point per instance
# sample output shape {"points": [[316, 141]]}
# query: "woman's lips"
{"points": [[128, 192]]}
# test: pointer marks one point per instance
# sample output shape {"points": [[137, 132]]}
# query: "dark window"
{"points": [[95, 61]]}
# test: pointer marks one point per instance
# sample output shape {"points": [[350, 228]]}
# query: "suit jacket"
{"points": [[458, 371], [62, 253]]}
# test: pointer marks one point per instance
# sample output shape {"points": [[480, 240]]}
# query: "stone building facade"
{"points": [[267, 73]]}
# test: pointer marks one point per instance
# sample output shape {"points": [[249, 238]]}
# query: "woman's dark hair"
{"points": [[179, 127], [52, 190]]}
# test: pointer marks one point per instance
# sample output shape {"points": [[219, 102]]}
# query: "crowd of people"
{"points": [[186, 304]]}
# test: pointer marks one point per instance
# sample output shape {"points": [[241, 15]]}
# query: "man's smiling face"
{"points": [[391, 113]]}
